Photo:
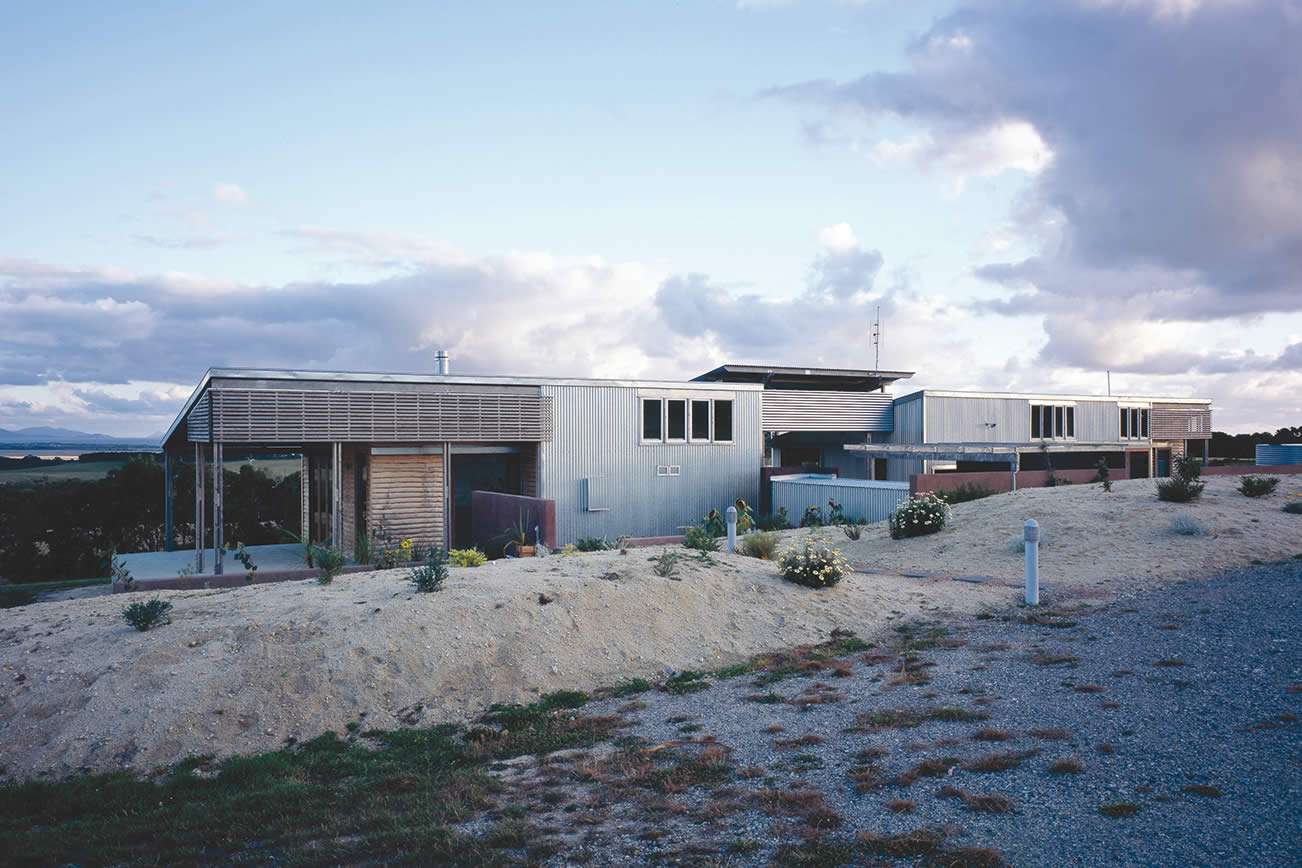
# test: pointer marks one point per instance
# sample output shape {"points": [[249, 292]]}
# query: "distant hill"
{"points": [[44, 436]]}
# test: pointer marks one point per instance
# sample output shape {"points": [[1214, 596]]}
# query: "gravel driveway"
{"points": [[1176, 713]]}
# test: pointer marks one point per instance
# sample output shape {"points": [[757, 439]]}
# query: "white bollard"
{"points": [[1031, 534], [732, 529]]}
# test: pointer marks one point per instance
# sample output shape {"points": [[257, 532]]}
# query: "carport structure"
{"points": [[371, 443]]}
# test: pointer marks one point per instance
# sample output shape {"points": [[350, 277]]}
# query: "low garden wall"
{"points": [[859, 498], [998, 480], [1253, 470], [491, 513]]}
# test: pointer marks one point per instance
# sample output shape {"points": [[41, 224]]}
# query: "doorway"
{"points": [[1164, 462], [481, 470], [1139, 465]]}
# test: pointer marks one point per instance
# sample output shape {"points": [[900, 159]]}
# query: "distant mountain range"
{"points": [[67, 437]]}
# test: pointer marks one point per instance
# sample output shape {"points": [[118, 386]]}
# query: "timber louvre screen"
{"points": [[290, 416]]}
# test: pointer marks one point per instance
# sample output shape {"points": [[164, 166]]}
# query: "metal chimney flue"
{"points": [[441, 362]]}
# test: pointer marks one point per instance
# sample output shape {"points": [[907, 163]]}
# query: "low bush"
{"points": [[813, 565], [467, 558], [919, 515], [593, 544], [666, 565], [702, 539], [1187, 467], [430, 577], [852, 530], [813, 517], [773, 521], [1177, 489], [1258, 486], [1294, 506], [760, 544], [329, 560], [1187, 525], [966, 492], [148, 614]]}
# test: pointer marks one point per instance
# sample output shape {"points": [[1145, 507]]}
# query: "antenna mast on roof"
{"points": [[877, 341]]}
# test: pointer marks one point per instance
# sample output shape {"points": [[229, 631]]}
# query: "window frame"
{"points": [[668, 420], [690, 404], [1055, 421]]}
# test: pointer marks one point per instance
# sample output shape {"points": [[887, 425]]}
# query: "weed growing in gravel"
{"points": [[687, 681], [1202, 790], [1047, 658], [1186, 525], [329, 560], [1119, 809], [852, 530], [1049, 733], [700, 539], [430, 577], [1169, 661], [1067, 766], [628, 687], [769, 698], [990, 733], [990, 803], [995, 762], [666, 565], [901, 806], [929, 768], [760, 544], [147, 614]]}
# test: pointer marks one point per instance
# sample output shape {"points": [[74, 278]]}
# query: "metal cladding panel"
{"points": [[872, 501], [798, 410], [1181, 422], [198, 425], [976, 420], [297, 416], [1284, 453], [596, 435], [908, 421], [1098, 422]]}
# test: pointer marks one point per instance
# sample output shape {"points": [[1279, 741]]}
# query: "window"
{"points": [[676, 420], [679, 419], [700, 420], [651, 420], [1052, 421], [722, 421], [1134, 423]]}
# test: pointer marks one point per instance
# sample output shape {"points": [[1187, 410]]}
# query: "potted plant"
{"points": [[516, 536]]}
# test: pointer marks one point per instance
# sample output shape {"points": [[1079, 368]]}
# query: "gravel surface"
{"points": [[1182, 703]]}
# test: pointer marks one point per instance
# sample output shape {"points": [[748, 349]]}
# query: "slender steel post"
{"points": [[1031, 534], [218, 531], [169, 504], [732, 529], [337, 496], [199, 498]]}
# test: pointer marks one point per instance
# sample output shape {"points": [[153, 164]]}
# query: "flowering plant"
{"points": [[813, 565], [1294, 503], [920, 514]]}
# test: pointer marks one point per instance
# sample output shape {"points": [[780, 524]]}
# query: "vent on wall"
{"points": [[669, 469], [597, 493]]}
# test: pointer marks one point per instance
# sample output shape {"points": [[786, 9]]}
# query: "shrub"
{"points": [[1188, 467], [430, 577], [773, 521], [120, 572], [1187, 525], [813, 565], [593, 544], [965, 492], [760, 544], [1177, 489], [329, 560], [666, 565], [919, 515], [467, 558], [852, 529], [148, 614], [702, 539], [1101, 476], [813, 517], [1293, 506], [1258, 486]]}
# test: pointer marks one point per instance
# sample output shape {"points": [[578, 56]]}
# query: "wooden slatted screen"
{"points": [[406, 497]]}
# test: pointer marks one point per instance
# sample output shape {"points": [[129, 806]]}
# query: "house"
{"points": [[453, 459]]}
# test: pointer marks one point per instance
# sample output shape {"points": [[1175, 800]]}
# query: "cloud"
{"points": [[200, 242], [231, 194], [1162, 143]]}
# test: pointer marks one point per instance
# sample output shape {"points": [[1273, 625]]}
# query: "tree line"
{"points": [[69, 529], [1245, 445]]}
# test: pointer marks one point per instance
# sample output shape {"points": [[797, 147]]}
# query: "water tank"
{"points": [[1284, 453]]}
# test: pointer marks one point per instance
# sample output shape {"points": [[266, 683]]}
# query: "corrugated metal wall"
{"points": [[595, 433], [1097, 422], [908, 429], [406, 497], [799, 410], [873, 501], [1284, 453]]}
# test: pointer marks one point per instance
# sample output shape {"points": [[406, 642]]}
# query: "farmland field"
{"points": [[88, 471]]}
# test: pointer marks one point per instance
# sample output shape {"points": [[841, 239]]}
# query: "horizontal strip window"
{"points": [[679, 420], [1053, 422]]}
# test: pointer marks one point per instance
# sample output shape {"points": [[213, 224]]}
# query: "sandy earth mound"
{"points": [[243, 670]]}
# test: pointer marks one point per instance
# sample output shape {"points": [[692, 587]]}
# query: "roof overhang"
{"points": [[1008, 453], [778, 377]]}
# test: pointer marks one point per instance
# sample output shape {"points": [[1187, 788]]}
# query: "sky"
{"points": [[1032, 195]]}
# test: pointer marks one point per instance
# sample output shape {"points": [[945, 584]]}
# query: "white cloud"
{"points": [[838, 238], [231, 194]]}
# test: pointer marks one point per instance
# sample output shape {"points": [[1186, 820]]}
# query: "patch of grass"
{"points": [[769, 698], [1088, 688], [760, 544], [1048, 658], [928, 768], [1119, 809], [628, 687], [1203, 789], [801, 741], [1049, 733], [994, 762], [147, 614], [990, 733], [990, 803], [1257, 486], [687, 681], [1169, 661]]}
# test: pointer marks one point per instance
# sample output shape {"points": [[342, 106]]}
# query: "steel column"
{"points": [[199, 498], [169, 497], [218, 531], [337, 495]]}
